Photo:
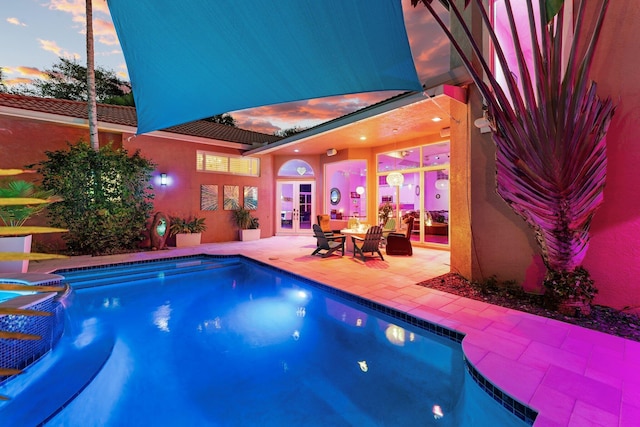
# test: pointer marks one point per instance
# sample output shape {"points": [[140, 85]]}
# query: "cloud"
{"points": [[17, 81], [24, 71], [304, 114], [30, 71], [16, 21], [255, 124], [429, 45], [25, 75], [103, 30], [52, 46]]}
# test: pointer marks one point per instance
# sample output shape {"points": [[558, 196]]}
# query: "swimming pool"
{"points": [[217, 341]]}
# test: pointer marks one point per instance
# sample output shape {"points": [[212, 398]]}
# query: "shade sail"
{"points": [[192, 59]]}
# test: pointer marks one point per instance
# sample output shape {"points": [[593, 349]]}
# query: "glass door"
{"points": [[294, 207], [434, 221]]}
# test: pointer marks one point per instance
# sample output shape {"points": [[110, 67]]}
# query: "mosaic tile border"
{"points": [[20, 354], [515, 407]]}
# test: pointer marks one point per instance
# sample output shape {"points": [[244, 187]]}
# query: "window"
{"points": [[224, 163]]}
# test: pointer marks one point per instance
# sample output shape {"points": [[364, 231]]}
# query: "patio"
{"points": [[572, 376]]}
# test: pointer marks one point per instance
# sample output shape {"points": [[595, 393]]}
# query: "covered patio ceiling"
{"points": [[407, 117]]}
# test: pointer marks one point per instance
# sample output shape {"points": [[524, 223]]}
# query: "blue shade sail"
{"points": [[192, 59]]}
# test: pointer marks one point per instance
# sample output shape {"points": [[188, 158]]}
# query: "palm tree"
{"points": [[91, 81], [548, 126]]}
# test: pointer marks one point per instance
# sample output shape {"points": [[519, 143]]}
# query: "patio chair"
{"points": [[325, 225], [370, 243], [389, 227], [400, 244], [328, 245]]}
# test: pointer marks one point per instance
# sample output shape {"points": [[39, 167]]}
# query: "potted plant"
{"points": [[188, 231], [384, 212], [248, 224], [19, 201]]}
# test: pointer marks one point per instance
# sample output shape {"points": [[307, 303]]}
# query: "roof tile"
{"points": [[126, 116]]}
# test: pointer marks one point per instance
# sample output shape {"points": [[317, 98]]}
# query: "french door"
{"points": [[295, 209]]}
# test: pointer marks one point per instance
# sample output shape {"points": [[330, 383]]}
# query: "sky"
{"points": [[36, 33]]}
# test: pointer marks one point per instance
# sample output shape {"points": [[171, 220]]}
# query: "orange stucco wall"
{"points": [[24, 141], [181, 197]]}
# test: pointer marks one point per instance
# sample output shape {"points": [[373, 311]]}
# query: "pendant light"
{"points": [[395, 179]]}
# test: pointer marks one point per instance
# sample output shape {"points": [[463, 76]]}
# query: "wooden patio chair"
{"points": [[327, 245], [400, 244], [325, 225], [370, 243]]}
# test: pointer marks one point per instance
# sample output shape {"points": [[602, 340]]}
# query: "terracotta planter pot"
{"points": [[15, 244]]}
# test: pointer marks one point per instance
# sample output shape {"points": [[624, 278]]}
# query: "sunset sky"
{"points": [[36, 32]]}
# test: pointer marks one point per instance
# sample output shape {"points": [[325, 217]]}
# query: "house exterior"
{"points": [[485, 238]]}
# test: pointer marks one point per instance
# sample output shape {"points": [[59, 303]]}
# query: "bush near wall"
{"points": [[107, 197]]}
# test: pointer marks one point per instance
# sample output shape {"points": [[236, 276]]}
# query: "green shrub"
{"points": [[184, 225], [564, 286], [106, 197], [243, 218]]}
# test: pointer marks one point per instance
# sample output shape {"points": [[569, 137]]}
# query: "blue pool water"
{"points": [[229, 342], [7, 295]]}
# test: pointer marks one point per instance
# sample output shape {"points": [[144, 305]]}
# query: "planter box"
{"points": [[15, 244], [250, 234], [188, 239]]}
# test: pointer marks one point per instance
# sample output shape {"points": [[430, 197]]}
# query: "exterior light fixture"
{"points": [[332, 152], [360, 190], [163, 179]]}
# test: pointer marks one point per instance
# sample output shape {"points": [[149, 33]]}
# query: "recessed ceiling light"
{"points": [[296, 150], [436, 119], [362, 138]]}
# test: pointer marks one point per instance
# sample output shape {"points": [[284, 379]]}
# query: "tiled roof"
{"points": [[126, 116]]}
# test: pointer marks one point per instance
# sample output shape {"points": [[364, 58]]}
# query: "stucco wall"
{"points": [[24, 141], [489, 239], [181, 197], [614, 255]]}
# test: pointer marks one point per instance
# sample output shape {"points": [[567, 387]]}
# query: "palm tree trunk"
{"points": [[91, 81]]}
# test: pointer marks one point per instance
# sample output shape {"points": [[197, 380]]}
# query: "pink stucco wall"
{"points": [[614, 256]]}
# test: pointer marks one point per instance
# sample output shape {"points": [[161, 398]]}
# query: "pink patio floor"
{"points": [[572, 376]]}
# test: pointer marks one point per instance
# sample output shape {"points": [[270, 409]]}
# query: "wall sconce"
{"points": [[163, 179], [332, 152], [360, 190]]}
